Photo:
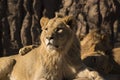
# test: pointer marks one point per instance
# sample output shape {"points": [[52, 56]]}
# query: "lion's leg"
{"points": [[27, 49]]}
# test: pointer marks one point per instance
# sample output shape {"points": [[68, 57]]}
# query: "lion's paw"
{"points": [[95, 76], [26, 49]]}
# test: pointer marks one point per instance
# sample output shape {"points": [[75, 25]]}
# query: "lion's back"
{"points": [[24, 64]]}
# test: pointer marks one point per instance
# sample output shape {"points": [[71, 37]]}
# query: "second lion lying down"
{"points": [[57, 58]]}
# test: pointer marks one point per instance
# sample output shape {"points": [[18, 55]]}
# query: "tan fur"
{"points": [[116, 55], [93, 51], [57, 57], [94, 41], [6, 66]]}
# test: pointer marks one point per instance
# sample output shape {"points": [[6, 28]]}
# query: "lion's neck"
{"points": [[52, 64], [52, 58]]}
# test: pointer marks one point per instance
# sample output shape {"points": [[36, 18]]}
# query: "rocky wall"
{"points": [[19, 20]]}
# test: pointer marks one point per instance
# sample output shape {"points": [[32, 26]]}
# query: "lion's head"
{"points": [[95, 41], [56, 34]]}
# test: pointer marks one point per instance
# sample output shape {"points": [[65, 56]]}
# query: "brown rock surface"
{"points": [[17, 15]]}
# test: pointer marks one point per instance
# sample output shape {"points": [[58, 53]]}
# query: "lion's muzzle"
{"points": [[50, 43]]}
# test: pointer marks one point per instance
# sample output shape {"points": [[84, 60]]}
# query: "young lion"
{"points": [[57, 58]]}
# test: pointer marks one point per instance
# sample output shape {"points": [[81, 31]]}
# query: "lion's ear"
{"points": [[70, 20], [43, 21]]}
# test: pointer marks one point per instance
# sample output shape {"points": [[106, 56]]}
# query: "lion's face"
{"points": [[56, 34]]}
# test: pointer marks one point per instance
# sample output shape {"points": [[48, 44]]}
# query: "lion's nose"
{"points": [[50, 37]]}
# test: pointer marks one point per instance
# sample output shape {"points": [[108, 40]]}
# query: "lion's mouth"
{"points": [[51, 44]]}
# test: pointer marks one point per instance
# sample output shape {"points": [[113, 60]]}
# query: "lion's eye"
{"points": [[94, 60], [60, 30]]}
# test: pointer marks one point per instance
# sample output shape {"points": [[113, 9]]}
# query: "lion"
{"points": [[95, 51], [56, 58]]}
